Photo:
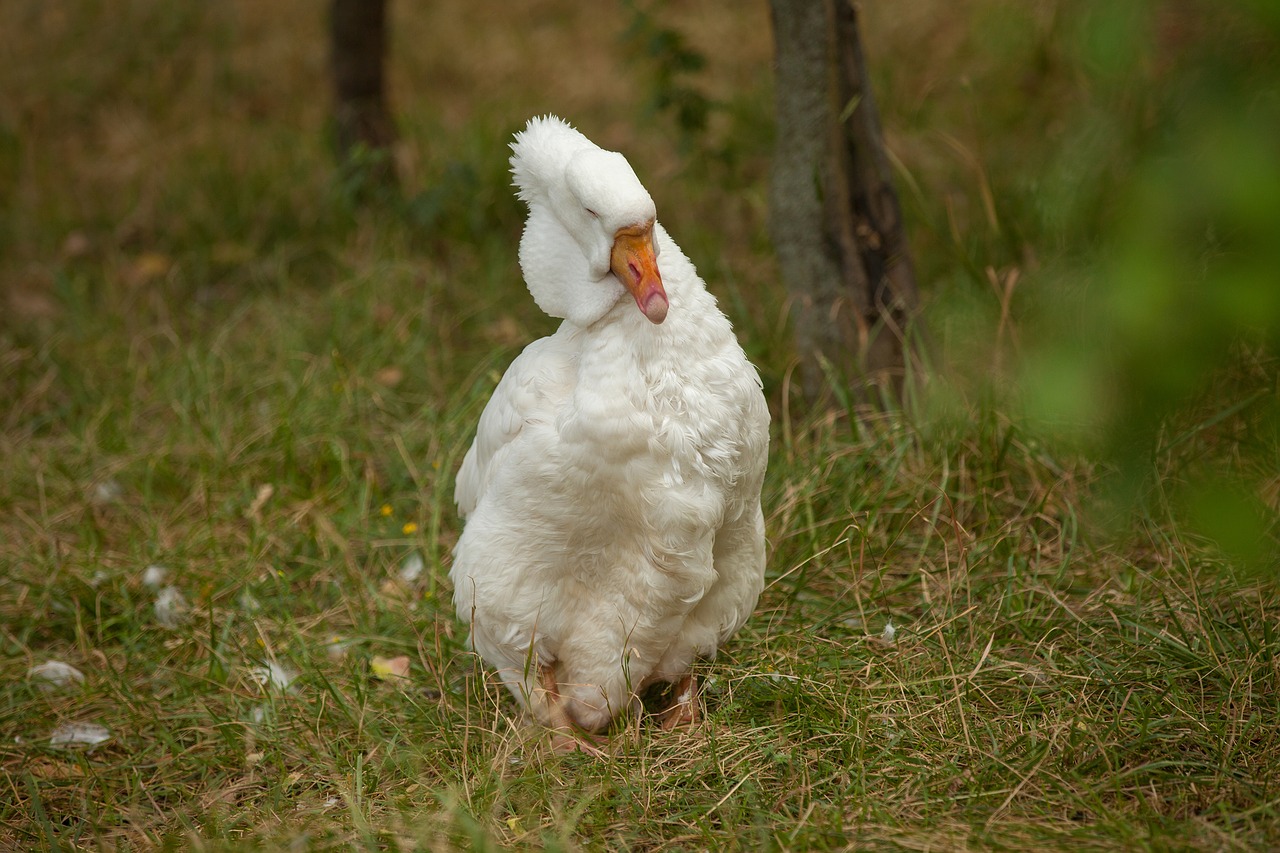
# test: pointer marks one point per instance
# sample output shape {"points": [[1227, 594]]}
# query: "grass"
{"points": [[214, 361]]}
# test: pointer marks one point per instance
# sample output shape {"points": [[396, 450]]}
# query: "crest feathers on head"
{"points": [[541, 152]]}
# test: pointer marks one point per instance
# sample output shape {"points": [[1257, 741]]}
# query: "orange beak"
{"points": [[636, 266]]}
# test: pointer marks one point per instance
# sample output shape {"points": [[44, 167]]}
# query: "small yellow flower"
{"points": [[409, 527], [390, 669], [385, 509]]}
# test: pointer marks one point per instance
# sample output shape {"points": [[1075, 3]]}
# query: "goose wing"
{"points": [[530, 391]]}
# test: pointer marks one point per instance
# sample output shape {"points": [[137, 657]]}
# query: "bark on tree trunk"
{"points": [[834, 216], [358, 46]]}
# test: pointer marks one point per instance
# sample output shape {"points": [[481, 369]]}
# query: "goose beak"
{"points": [[635, 264]]}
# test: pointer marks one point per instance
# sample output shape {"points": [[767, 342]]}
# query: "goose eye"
{"points": [[592, 212]]}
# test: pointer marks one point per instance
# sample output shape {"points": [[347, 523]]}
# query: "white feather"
{"points": [[612, 494]]}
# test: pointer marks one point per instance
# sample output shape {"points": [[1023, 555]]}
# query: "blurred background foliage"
{"points": [[1109, 266], [1093, 192], [1157, 319]]}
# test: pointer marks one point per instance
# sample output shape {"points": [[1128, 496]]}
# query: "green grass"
{"points": [[214, 361]]}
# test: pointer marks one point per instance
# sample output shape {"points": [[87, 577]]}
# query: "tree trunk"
{"points": [[835, 219], [363, 129]]}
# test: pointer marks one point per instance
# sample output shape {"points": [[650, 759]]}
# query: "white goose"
{"points": [[612, 496]]}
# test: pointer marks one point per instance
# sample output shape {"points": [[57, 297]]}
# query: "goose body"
{"points": [[613, 530]]}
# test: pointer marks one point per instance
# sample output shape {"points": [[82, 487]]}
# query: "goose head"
{"points": [[589, 239]]}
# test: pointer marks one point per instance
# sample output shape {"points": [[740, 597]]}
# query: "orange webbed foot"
{"points": [[566, 737], [683, 709]]}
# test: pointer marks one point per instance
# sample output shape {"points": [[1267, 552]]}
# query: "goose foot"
{"points": [[566, 737], [683, 710], [564, 743]]}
